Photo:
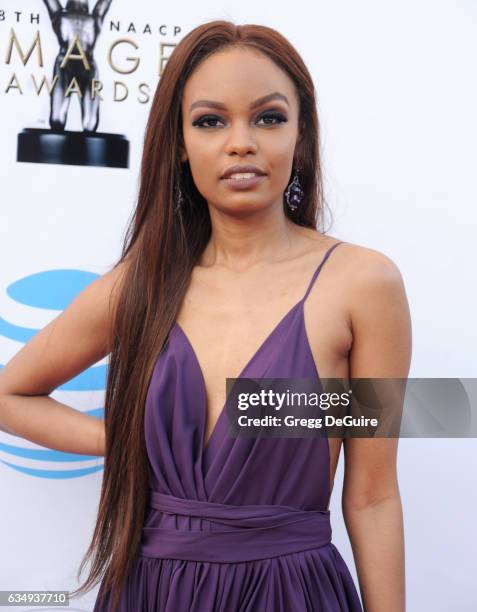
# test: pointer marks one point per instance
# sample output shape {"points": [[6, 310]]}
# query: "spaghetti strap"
{"points": [[317, 271]]}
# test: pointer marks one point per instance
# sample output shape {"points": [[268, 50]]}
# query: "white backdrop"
{"points": [[396, 101]]}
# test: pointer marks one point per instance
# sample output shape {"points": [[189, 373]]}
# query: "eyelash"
{"points": [[206, 118]]}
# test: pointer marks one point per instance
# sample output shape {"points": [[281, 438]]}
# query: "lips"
{"points": [[239, 184], [242, 169]]}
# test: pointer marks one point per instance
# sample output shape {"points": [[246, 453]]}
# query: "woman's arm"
{"points": [[371, 501], [73, 341]]}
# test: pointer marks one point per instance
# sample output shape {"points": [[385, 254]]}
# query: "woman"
{"points": [[225, 274]]}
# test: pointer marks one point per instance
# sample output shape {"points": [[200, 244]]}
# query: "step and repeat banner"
{"points": [[397, 110]]}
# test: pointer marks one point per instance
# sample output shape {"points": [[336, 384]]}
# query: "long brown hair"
{"points": [[161, 249]]}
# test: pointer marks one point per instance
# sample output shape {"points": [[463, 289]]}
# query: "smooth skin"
{"points": [[256, 266]]}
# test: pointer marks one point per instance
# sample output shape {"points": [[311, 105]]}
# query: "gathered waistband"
{"points": [[257, 531]]}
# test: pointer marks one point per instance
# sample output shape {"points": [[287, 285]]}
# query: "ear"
{"points": [[301, 132], [299, 140], [183, 154], [181, 149]]}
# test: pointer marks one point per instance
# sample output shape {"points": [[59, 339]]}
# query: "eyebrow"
{"points": [[258, 102]]}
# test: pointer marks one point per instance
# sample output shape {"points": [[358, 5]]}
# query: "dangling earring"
{"points": [[178, 200], [294, 193]]}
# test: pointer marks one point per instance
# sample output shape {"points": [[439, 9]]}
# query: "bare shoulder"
{"points": [[98, 302], [361, 274], [378, 310], [364, 264], [359, 262], [76, 339], [353, 269], [370, 276]]}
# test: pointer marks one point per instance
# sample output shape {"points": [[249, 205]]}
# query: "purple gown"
{"points": [[242, 524]]}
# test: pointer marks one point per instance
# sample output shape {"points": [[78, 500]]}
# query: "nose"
{"points": [[240, 139]]}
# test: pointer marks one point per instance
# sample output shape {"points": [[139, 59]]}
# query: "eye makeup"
{"points": [[278, 118]]}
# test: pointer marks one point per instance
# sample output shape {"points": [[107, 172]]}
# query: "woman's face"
{"points": [[242, 131]]}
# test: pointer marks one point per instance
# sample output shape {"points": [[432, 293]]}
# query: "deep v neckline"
{"points": [[205, 412], [204, 408]]}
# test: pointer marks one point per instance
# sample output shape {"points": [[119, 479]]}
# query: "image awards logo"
{"points": [[75, 71]]}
